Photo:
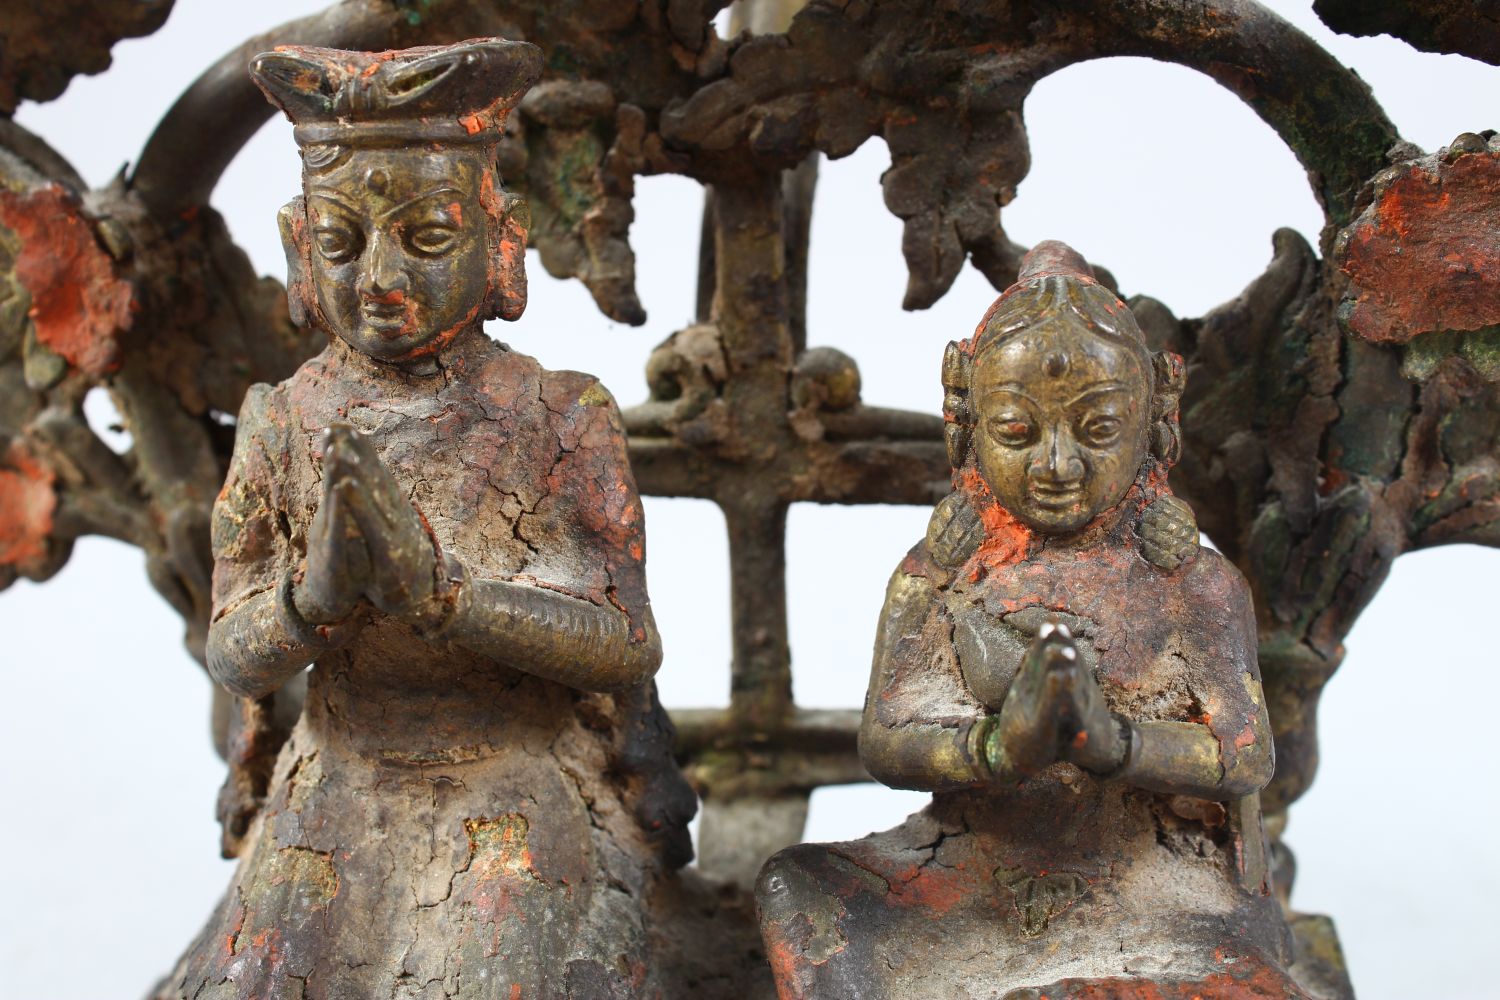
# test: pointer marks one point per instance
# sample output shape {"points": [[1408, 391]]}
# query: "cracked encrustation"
{"points": [[1086, 710], [479, 797]]}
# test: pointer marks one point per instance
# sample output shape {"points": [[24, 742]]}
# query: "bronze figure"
{"points": [[1075, 681], [1343, 412], [479, 794]]}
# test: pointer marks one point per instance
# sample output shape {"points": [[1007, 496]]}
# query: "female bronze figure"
{"points": [[479, 796], [1075, 681]]}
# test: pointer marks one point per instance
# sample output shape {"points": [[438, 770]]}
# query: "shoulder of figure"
{"points": [[510, 383], [262, 410], [570, 390], [921, 565], [1210, 573], [258, 398]]}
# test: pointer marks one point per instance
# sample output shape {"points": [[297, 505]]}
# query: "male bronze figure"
{"points": [[479, 795]]}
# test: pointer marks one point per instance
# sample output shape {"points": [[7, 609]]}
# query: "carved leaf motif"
{"points": [[1041, 898], [581, 155], [44, 45]]}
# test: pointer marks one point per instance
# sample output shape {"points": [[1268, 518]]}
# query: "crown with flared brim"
{"points": [[444, 94]]}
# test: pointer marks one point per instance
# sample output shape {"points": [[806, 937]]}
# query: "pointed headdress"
{"points": [[446, 94], [418, 98]]}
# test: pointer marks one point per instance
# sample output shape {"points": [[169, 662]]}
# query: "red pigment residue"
{"points": [[785, 959], [27, 503], [510, 251], [969, 345], [266, 945], [78, 306], [933, 888], [434, 346], [498, 848], [507, 272], [1426, 255], [500, 873], [1047, 265], [308, 81], [1006, 540], [1333, 478], [232, 938], [1153, 485], [1247, 976]]}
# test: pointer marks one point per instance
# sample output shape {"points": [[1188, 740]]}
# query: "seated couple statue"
{"points": [[480, 800]]}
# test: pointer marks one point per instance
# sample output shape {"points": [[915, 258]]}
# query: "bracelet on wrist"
{"points": [[298, 628], [452, 601], [981, 734]]}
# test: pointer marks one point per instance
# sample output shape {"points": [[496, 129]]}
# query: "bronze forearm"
{"points": [[254, 648], [553, 635], [924, 756], [1186, 758]]}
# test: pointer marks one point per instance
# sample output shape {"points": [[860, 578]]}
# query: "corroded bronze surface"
{"points": [[1468, 27], [1314, 458], [1424, 257], [43, 46], [479, 793], [1091, 722]]}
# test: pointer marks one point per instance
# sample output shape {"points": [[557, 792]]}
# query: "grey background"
{"points": [[108, 859]]}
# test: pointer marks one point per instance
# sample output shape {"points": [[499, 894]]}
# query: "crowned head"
{"points": [[1056, 401], [403, 237]]}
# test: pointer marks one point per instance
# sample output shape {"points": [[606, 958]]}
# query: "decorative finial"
{"points": [[1053, 257]]}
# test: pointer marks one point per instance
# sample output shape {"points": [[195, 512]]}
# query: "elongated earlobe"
{"points": [[510, 220], [292, 221]]}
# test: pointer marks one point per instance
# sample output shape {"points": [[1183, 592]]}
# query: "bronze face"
{"points": [[399, 255], [1062, 421]]}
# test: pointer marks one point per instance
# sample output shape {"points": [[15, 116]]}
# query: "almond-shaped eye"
{"points": [[433, 240], [1010, 429], [1101, 429], [336, 243]]}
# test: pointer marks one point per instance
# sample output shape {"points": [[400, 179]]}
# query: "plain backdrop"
{"points": [[108, 846]]}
